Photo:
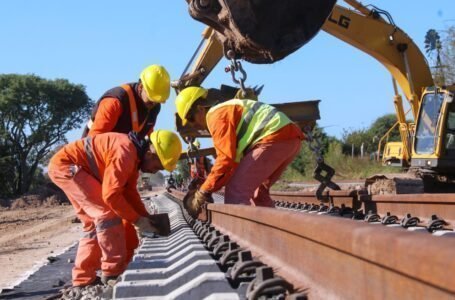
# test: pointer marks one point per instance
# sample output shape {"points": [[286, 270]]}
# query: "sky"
{"points": [[101, 44]]}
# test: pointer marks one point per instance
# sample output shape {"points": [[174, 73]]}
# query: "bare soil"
{"points": [[29, 235]]}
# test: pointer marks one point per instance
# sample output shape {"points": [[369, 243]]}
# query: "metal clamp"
{"points": [[323, 208], [244, 265], [389, 219], [436, 224], [358, 215], [372, 217], [230, 254], [222, 246], [334, 210], [313, 207], [409, 221], [266, 284]]}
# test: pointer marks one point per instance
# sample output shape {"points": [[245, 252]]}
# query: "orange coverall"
{"points": [[249, 181], [108, 115], [102, 203]]}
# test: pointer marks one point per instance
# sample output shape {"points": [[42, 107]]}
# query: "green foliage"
{"points": [[35, 115], [347, 167], [182, 172], [370, 136], [337, 153]]}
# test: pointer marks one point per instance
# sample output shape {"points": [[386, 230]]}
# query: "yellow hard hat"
{"points": [[168, 148], [156, 82], [185, 100]]}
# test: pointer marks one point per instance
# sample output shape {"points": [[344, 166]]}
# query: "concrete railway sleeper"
{"points": [[197, 262], [327, 257]]}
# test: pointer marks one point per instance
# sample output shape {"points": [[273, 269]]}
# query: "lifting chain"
{"points": [[236, 66], [323, 172]]}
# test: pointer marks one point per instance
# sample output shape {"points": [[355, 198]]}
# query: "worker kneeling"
{"points": [[99, 175], [254, 144]]}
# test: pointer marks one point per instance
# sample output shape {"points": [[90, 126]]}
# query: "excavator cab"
{"points": [[434, 141]]}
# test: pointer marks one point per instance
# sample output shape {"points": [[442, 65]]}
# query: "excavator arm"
{"points": [[362, 28], [366, 30]]}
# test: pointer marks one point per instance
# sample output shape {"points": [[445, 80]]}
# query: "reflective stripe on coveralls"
{"points": [[258, 120], [90, 235], [91, 157], [108, 224], [103, 226]]}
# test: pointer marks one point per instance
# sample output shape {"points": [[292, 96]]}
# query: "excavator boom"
{"points": [[361, 28]]}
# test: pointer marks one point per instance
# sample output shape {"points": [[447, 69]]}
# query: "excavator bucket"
{"points": [[262, 31]]}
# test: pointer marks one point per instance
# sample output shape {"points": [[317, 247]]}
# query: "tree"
{"points": [[448, 55], [305, 161], [35, 115], [182, 172], [441, 53], [370, 136], [382, 124]]}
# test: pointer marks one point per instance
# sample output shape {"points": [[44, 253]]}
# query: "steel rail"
{"points": [[421, 205], [340, 258]]}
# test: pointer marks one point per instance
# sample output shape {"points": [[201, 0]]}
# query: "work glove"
{"points": [[249, 94], [194, 201], [144, 227], [148, 226]]}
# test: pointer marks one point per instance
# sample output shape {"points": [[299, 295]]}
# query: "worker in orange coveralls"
{"points": [[132, 106], [99, 176], [254, 144]]}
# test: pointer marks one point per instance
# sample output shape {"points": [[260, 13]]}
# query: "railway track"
{"points": [[318, 254], [304, 249]]}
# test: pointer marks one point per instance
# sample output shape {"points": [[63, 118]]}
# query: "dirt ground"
{"points": [[29, 235]]}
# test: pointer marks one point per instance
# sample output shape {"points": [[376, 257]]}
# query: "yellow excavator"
{"points": [[267, 31]]}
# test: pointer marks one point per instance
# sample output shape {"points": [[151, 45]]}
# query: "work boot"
{"points": [[109, 280]]}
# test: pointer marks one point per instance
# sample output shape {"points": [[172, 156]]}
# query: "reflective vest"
{"points": [[130, 118], [258, 121]]}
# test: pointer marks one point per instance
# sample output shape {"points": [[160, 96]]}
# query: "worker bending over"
{"points": [[132, 106], [254, 144], [99, 176]]}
